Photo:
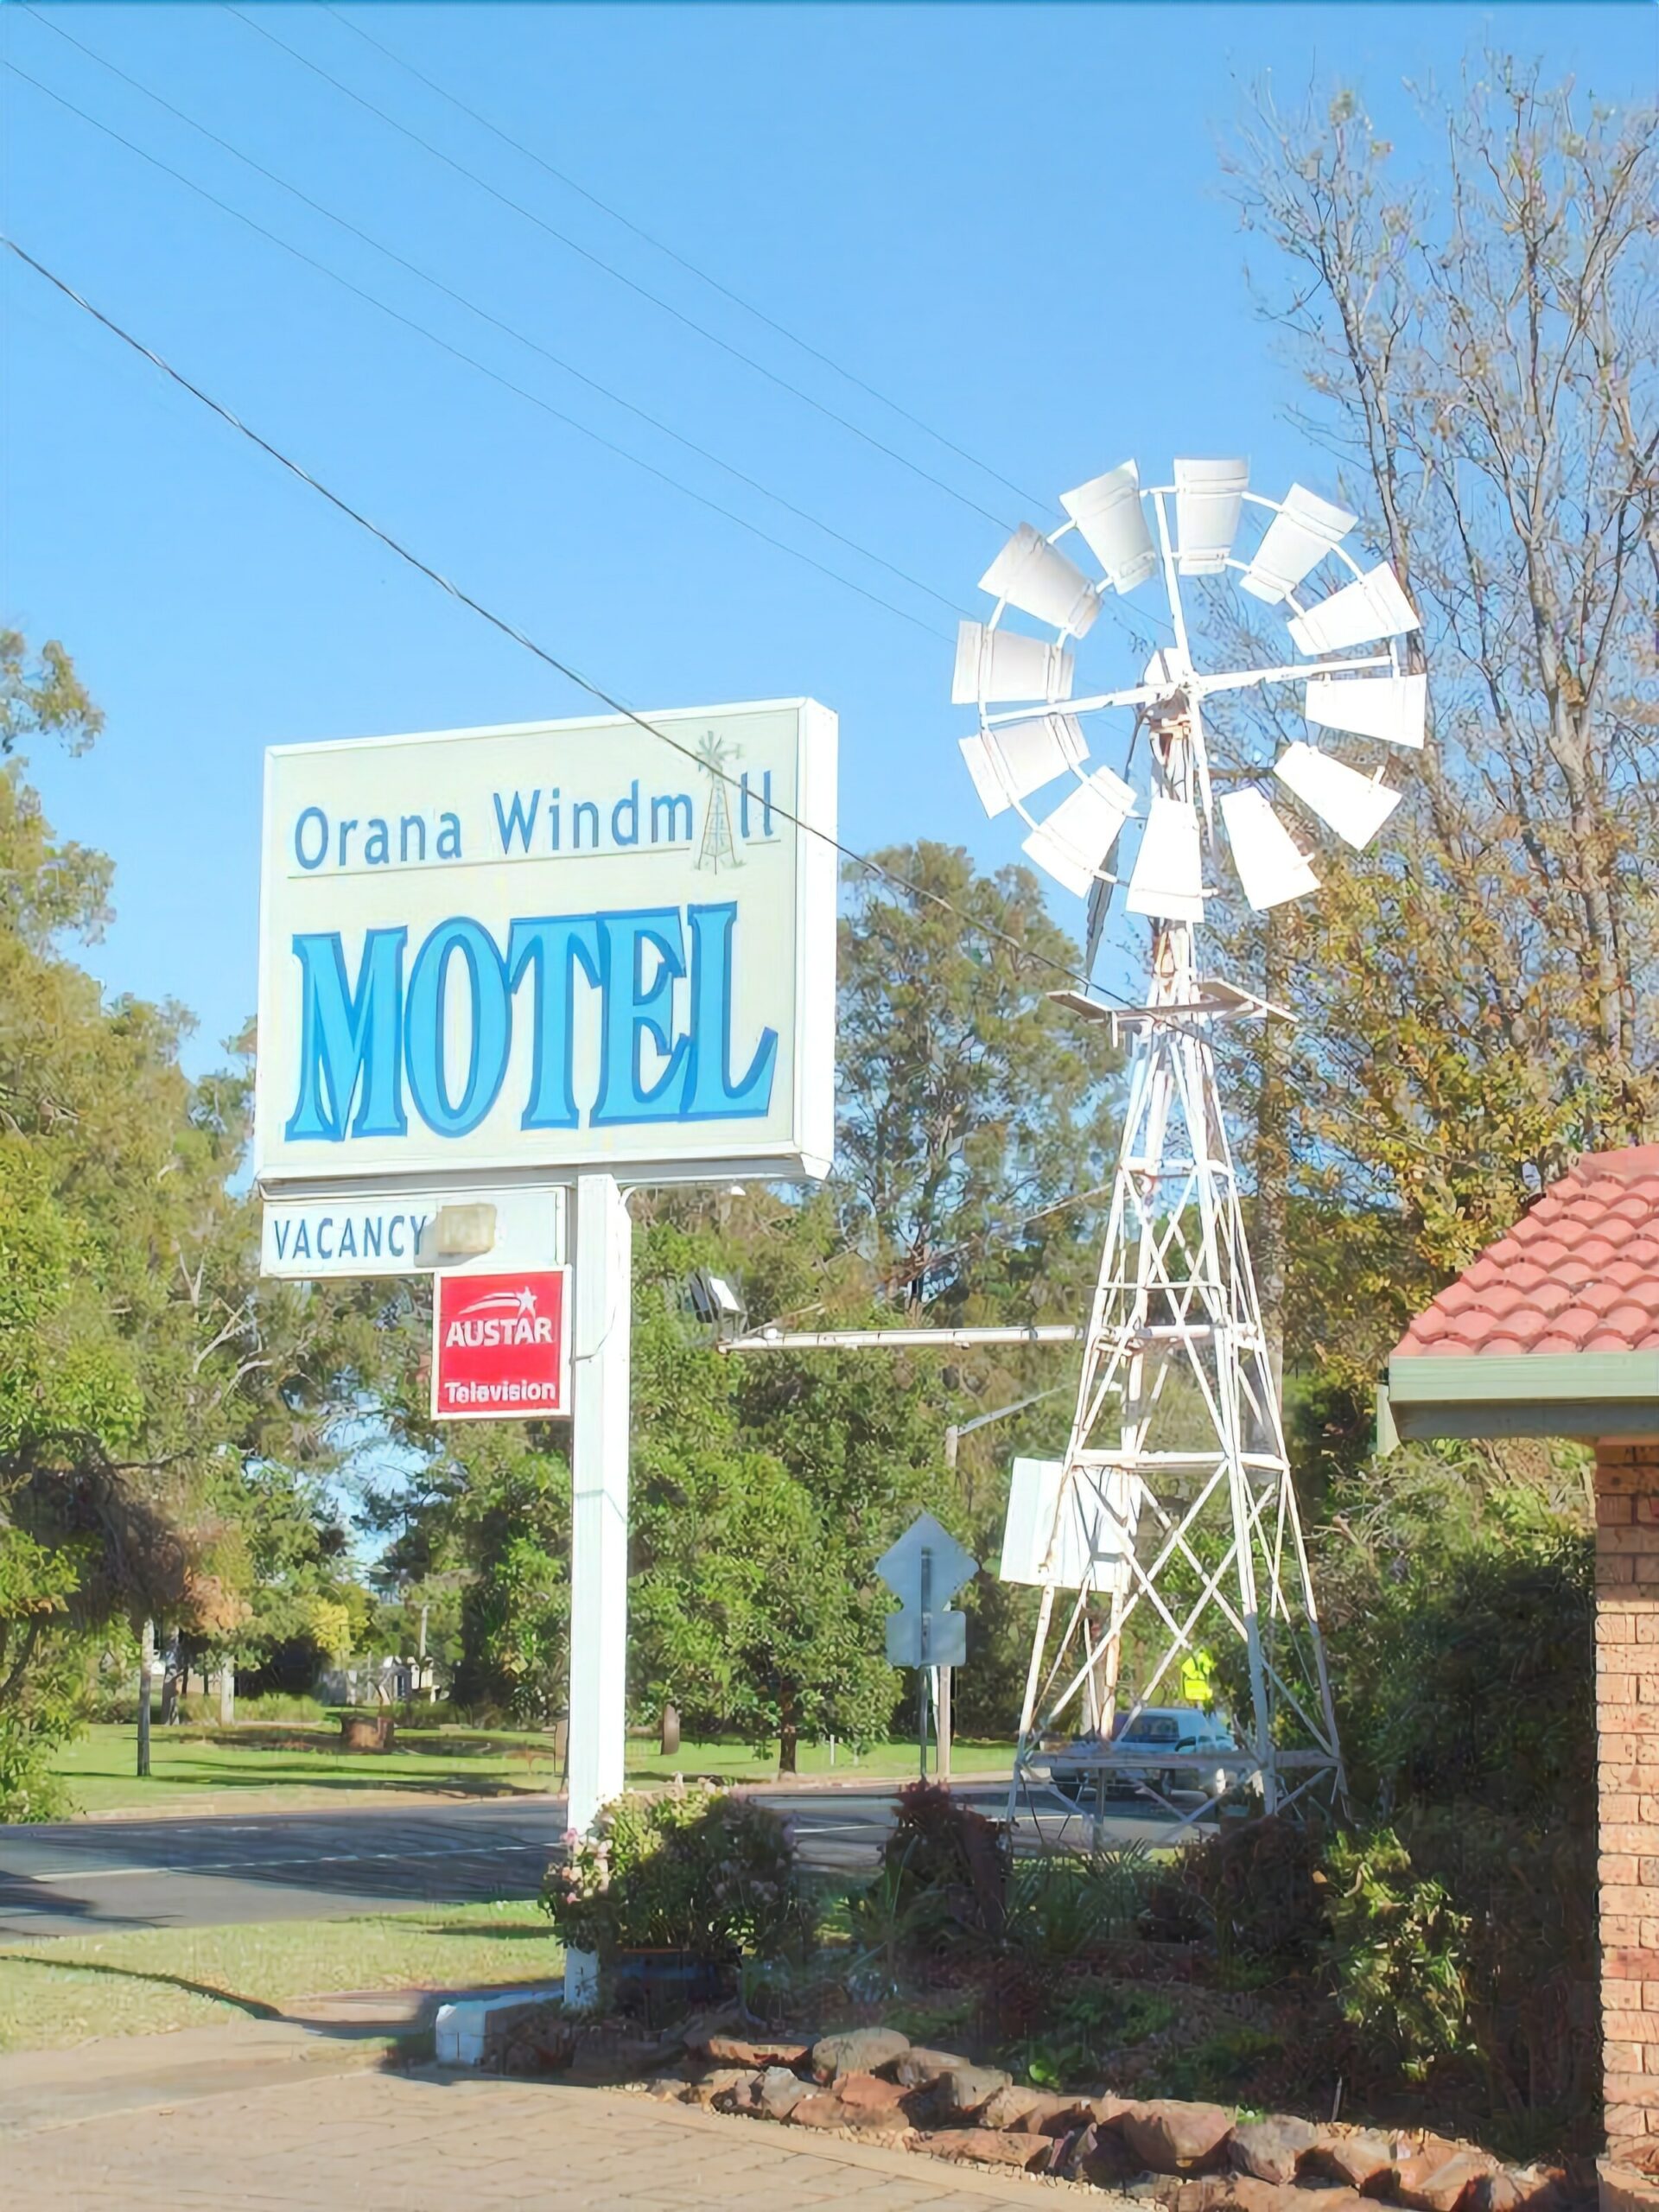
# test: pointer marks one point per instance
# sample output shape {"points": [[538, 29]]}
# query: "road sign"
{"points": [[949, 1565], [927, 1640], [500, 1346], [310, 1240]]}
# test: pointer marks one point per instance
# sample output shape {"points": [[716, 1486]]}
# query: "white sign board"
{"points": [[310, 1240], [551, 946], [945, 1643], [1097, 1529]]}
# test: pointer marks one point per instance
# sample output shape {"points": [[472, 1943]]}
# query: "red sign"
{"points": [[499, 1346]]}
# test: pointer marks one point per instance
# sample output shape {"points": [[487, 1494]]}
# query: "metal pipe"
{"points": [[857, 1339]]}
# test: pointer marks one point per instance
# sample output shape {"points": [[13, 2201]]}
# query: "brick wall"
{"points": [[1627, 1725]]}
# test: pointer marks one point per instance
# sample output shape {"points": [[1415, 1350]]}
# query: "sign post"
{"points": [[926, 1564], [555, 960]]}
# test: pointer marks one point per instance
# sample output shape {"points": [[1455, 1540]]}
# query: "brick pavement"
{"points": [[376, 2142]]}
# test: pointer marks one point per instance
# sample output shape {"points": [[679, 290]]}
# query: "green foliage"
{"points": [[693, 1871], [948, 1864], [1400, 1953], [1063, 1906]]}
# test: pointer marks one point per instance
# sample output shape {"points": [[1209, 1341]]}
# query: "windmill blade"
{"points": [[1298, 538], [1100, 899], [1351, 804], [1392, 708], [1003, 665], [1035, 576], [1074, 840], [1169, 879], [1272, 865], [1006, 764], [1113, 525], [1374, 606], [1209, 496]]}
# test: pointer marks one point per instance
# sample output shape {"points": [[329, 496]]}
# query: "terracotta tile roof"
{"points": [[1579, 1272]]}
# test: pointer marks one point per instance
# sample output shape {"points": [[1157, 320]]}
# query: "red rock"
{"points": [[865, 2113], [1204, 2193], [1518, 2189], [1171, 2136], [723, 2082], [919, 2068], [1271, 2150], [982, 2147], [1363, 2162], [1430, 2182], [869, 2092], [771, 2095], [965, 2090], [1250, 2193], [859, 2050], [732, 2051]]}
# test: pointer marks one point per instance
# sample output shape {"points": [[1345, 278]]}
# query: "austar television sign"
{"points": [[500, 1347], [551, 946]]}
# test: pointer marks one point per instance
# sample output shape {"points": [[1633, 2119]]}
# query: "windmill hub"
{"points": [[1161, 1552]]}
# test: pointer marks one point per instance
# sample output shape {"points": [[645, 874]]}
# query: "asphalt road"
{"points": [[181, 1872]]}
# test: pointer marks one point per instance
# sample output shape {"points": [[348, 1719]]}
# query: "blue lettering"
{"points": [[584, 809], [394, 1237], [426, 1027], [348, 1240], [378, 850], [554, 945], [349, 1039], [630, 807], [516, 821], [710, 1093], [449, 836], [313, 814], [282, 1230], [323, 1227], [303, 1241], [666, 818], [634, 1010], [372, 1224]]}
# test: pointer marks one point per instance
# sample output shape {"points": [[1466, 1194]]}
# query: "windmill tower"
{"points": [[718, 848], [1171, 1523]]}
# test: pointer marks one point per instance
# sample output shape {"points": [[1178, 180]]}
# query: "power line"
{"points": [[598, 261], [485, 314], [876, 868], [680, 260], [457, 353]]}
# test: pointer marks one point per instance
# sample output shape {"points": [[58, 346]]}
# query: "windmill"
{"points": [[1196, 1544], [718, 849]]}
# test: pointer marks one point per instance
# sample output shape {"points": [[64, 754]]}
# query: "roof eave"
{"points": [[1524, 1394]]}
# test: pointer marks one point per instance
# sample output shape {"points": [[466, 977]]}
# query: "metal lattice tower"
{"points": [[718, 849], [1202, 1540]]}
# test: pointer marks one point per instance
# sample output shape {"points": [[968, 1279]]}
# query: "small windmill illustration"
{"points": [[719, 847]]}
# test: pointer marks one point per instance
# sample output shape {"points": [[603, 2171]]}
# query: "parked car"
{"points": [[1179, 1743]]}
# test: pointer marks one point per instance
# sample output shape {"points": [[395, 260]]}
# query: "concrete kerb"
{"points": [[460, 2027]]}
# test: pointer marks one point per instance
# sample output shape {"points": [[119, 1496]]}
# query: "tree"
{"points": [[1477, 343], [968, 1100]]}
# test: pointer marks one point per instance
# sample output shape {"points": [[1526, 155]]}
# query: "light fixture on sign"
{"points": [[456, 1233]]}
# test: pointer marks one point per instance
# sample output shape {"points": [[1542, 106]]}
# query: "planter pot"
{"points": [[660, 1986]]}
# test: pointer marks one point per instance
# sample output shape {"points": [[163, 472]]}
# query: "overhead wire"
{"points": [[681, 260], [877, 869], [535, 399], [598, 261], [485, 314]]}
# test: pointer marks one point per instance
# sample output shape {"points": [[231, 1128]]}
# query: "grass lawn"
{"points": [[292, 1763], [139, 1981]]}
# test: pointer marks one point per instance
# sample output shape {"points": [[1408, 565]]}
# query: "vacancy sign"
{"points": [[500, 1346]]}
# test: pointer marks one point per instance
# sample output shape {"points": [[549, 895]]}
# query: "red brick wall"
{"points": [[1627, 1725]]}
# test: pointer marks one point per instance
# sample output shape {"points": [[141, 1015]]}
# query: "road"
{"points": [[65, 1879]]}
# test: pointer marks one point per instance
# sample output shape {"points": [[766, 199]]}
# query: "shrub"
{"points": [[1063, 1907], [947, 1865], [1399, 1953], [1258, 1888], [693, 1871]]}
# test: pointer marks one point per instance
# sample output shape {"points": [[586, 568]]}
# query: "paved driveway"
{"points": [[431, 2141]]}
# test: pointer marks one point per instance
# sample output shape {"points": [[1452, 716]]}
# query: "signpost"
{"points": [[504, 966], [926, 1567]]}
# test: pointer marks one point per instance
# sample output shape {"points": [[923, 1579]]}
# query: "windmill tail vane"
{"points": [[1169, 1534], [718, 848]]}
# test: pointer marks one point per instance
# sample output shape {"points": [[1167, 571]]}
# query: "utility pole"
{"points": [[146, 1670]]}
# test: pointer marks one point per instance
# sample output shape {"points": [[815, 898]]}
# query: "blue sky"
{"points": [[1006, 218]]}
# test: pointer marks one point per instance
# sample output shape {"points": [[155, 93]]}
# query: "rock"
{"points": [[1045, 2115], [981, 2147], [1247, 2193], [858, 2101], [1431, 2183], [1363, 2161], [1271, 2150], [733, 2051], [1205, 2194], [1517, 2189], [670, 2091], [965, 2090], [772, 2094], [1098, 2153], [857, 2050], [693, 2032], [722, 2081], [919, 2068], [1174, 2137]]}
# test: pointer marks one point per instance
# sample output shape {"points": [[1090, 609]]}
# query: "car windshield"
{"points": [[1151, 1728]]}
